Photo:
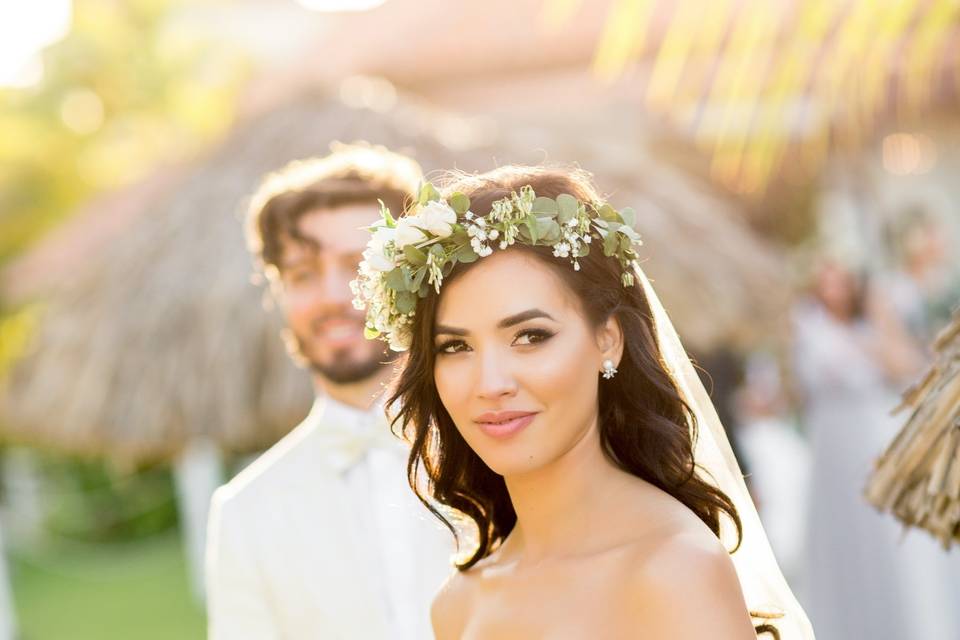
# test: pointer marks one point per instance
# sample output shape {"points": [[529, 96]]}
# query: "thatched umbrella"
{"points": [[918, 477]]}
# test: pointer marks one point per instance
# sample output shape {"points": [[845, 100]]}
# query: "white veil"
{"points": [[766, 591]]}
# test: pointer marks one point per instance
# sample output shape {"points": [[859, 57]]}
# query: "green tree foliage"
{"points": [[134, 83]]}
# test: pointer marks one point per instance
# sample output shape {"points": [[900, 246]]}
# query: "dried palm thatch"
{"points": [[918, 477], [160, 336]]}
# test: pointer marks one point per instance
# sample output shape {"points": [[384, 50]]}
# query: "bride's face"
{"points": [[518, 362]]}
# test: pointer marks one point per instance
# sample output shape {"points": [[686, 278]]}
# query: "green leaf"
{"points": [[466, 254], [394, 280], [529, 229], [370, 333], [459, 202], [415, 256], [424, 290], [610, 243], [459, 235], [387, 218], [428, 193], [583, 250], [406, 301], [418, 277], [567, 206], [548, 230], [544, 207], [625, 243], [629, 216], [609, 214], [438, 255], [630, 233], [407, 278]]}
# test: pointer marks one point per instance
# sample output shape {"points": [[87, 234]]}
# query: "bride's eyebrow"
{"points": [[509, 321]]}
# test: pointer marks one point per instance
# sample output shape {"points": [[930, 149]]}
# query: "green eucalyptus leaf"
{"points": [[567, 207], [548, 230], [610, 243], [370, 333], [602, 224], [428, 193], [424, 290], [466, 254], [407, 274], [406, 301], [415, 256], [625, 243], [459, 235], [438, 255], [385, 213], [418, 278], [631, 233], [583, 250], [544, 207], [609, 214], [523, 232], [629, 216], [459, 202], [394, 280]]}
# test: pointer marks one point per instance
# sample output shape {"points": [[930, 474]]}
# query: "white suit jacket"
{"points": [[287, 556]]}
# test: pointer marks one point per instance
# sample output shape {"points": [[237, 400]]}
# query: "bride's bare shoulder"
{"points": [[451, 604], [682, 584]]}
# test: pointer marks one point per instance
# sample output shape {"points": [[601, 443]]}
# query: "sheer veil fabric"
{"points": [[769, 598]]}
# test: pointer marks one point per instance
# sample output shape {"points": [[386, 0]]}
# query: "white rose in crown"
{"points": [[377, 261], [375, 254], [437, 217], [407, 233]]}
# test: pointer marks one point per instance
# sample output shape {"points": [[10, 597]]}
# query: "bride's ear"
{"points": [[610, 340]]}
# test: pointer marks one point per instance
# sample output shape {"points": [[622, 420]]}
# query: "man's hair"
{"points": [[351, 174]]}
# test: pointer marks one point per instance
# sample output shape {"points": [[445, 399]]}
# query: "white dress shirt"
{"points": [[321, 537]]}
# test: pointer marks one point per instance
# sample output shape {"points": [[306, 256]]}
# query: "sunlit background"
{"points": [[757, 139]]}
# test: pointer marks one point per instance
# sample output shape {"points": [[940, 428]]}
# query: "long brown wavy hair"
{"points": [[645, 426]]}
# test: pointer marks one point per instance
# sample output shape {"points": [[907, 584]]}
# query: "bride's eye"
{"points": [[450, 346], [532, 336]]}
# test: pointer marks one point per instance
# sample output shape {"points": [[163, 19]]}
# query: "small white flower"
{"points": [[407, 233], [481, 222], [468, 215], [503, 244], [572, 222], [494, 234], [587, 238]]}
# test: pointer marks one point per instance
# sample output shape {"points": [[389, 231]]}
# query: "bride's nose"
{"points": [[494, 377]]}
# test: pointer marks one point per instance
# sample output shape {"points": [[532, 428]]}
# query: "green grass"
{"points": [[120, 591]]}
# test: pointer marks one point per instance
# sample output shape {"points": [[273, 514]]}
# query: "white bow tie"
{"points": [[345, 443]]}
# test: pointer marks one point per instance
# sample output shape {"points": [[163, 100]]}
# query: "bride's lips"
{"points": [[503, 424]]}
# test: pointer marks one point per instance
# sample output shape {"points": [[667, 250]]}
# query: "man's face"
{"points": [[316, 297]]}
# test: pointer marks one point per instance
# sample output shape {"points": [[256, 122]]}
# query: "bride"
{"points": [[551, 430]]}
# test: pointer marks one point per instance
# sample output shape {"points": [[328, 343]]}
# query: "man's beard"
{"points": [[344, 371], [341, 369]]}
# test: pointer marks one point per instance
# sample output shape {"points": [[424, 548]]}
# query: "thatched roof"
{"points": [[160, 336], [918, 477]]}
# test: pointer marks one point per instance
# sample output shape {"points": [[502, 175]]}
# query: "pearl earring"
{"points": [[608, 369]]}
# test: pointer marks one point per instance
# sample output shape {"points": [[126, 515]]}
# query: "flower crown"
{"points": [[406, 257]]}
